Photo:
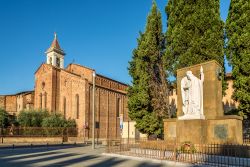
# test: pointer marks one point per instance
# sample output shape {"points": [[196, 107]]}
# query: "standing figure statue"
{"points": [[192, 96]]}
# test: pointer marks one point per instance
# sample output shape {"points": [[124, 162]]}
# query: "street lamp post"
{"points": [[93, 112]]}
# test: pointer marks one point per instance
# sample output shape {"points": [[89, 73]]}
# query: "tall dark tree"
{"points": [[238, 52], [194, 33], [148, 95]]}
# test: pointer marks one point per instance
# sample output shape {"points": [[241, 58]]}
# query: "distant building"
{"points": [[13, 104]]}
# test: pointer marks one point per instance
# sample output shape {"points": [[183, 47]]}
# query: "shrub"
{"points": [[187, 147], [39, 118], [57, 124], [70, 123], [4, 120], [32, 118], [56, 120]]}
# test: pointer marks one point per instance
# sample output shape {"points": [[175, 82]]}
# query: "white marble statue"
{"points": [[192, 96]]}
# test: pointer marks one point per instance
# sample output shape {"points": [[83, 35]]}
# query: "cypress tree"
{"points": [[148, 95], [238, 52], [194, 33]]}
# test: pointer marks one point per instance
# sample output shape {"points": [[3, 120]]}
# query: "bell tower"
{"points": [[55, 55]]}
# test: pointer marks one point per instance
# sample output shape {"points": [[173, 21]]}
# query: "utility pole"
{"points": [[93, 112]]}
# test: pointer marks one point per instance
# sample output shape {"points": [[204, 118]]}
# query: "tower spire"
{"points": [[55, 46], [55, 55], [55, 35]]}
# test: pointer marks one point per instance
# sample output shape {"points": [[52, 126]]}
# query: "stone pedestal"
{"points": [[215, 127], [222, 130]]}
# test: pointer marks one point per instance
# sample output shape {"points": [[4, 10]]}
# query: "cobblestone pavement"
{"points": [[67, 156]]}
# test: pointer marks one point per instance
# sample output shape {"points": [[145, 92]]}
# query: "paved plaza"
{"points": [[67, 156]]}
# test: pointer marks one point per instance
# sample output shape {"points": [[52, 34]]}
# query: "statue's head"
{"points": [[189, 74]]}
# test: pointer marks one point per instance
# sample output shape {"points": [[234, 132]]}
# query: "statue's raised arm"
{"points": [[201, 75]]}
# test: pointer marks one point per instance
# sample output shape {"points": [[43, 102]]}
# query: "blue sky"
{"points": [[95, 33]]}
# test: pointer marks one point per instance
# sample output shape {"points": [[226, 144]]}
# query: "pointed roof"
{"points": [[55, 46]]}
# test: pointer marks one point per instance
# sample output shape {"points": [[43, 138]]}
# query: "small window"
{"points": [[57, 62], [45, 100], [43, 85], [50, 60], [64, 107], [41, 100], [118, 101], [77, 106]]}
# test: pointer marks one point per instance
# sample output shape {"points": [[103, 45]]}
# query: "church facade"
{"points": [[69, 91]]}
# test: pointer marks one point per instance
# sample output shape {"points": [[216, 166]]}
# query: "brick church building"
{"points": [[69, 91]]}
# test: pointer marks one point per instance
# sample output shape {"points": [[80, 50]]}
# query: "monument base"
{"points": [[190, 117], [221, 130]]}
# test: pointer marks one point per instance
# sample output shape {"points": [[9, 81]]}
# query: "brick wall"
{"points": [[107, 112], [72, 87], [43, 88], [11, 105], [2, 102]]}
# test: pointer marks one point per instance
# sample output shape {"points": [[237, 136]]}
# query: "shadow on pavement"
{"points": [[73, 161], [65, 156], [145, 164], [108, 162], [5, 152]]}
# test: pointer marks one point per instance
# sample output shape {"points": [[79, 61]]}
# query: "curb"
{"points": [[34, 145]]}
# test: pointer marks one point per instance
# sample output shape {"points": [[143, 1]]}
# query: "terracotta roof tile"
{"points": [[55, 46]]}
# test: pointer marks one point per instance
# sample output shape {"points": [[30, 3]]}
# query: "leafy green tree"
{"points": [[56, 120], [32, 118], [194, 33], [148, 95], [40, 118], [70, 123], [4, 119], [238, 52]]}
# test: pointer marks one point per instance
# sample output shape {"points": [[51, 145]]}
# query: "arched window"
{"points": [[41, 100], [64, 107], [57, 62], [50, 60], [45, 100], [77, 106], [118, 101]]}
